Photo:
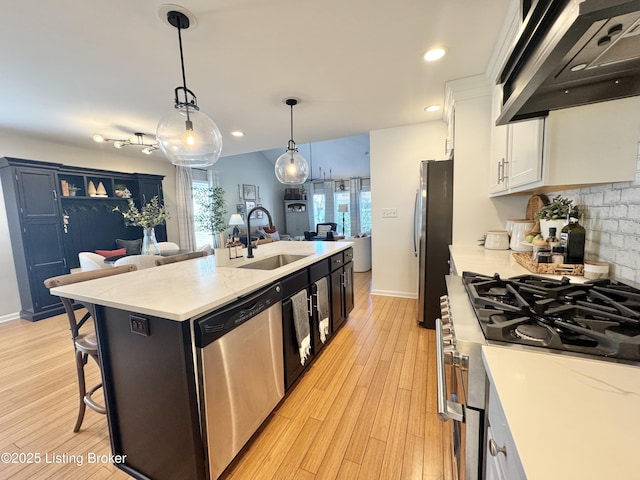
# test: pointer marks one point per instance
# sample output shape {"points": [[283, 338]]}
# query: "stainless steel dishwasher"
{"points": [[241, 372]]}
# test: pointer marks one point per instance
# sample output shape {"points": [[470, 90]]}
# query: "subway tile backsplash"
{"points": [[612, 221]]}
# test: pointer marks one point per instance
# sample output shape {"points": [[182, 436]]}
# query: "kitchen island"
{"points": [[147, 323], [557, 415]]}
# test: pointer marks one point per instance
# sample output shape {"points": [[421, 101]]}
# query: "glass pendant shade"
{"points": [[189, 138], [292, 168]]}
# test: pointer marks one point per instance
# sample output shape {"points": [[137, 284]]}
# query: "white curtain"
{"points": [[355, 187], [184, 207]]}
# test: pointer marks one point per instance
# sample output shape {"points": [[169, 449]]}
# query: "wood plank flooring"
{"points": [[364, 410]]}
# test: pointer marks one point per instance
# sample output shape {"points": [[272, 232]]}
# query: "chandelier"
{"points": [[137, 141]]}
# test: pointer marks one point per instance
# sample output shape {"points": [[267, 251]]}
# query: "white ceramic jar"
{"points": [[497, 240], [519, 233]]}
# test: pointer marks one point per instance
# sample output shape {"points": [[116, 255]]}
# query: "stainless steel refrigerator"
{"points": [[432, 236]]}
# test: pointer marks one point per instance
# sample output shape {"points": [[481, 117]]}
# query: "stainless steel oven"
{"points": [[461, 381]]}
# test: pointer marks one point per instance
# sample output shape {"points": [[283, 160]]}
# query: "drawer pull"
{"points": [[494, 449]]}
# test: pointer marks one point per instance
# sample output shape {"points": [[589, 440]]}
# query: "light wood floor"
{"points": [[364, 410]]}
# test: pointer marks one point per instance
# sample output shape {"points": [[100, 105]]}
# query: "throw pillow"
{"points": [[270, 229], [273, 235], [112, 253], [134, 247]]}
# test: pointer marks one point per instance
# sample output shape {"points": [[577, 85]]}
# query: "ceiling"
{"points": [[72, 69]]}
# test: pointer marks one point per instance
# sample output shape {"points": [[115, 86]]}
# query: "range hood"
{"points": [[570, 53]]}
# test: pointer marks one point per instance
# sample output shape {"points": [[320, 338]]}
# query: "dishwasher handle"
{"points": [[220, 322]]}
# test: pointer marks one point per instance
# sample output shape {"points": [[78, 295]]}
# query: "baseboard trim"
{"points": [[390, 293], [9, 317]]}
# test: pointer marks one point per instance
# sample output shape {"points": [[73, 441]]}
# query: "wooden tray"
{"points": [[524, 259]]}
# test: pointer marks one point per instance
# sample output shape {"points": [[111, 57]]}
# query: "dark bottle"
{"points": [[572, 239]]}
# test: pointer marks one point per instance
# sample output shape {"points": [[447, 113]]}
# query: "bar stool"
{"points": [[84, 345]]}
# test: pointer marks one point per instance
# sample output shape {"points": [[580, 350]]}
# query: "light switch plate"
{"points": [[389, 212]]}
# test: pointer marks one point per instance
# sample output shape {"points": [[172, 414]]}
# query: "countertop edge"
{"points": [[229, 282]]}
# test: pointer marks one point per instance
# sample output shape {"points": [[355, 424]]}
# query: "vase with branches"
{"points": [[148, 217], [212, 212]]}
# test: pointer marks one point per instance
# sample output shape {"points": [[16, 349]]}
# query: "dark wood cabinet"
{"points": [[293, 368], [49, 226], [341, 287], [35, 230]]}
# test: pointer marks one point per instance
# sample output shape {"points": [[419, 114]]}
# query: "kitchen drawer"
{"points": [[508, 460], [348, 255], [336, 261], [318, 270]]}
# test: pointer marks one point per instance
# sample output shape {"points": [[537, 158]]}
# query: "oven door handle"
{"points": [[447, 410]]}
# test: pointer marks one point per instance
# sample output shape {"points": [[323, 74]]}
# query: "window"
{"points": [[365, 212], [200, 215], [318, 209], [326, 205]]}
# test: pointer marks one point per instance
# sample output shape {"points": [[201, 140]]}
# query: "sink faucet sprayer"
{"points": [[249, 246]]}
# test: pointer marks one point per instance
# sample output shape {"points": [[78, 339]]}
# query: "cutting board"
{"points": [[535, 203]]}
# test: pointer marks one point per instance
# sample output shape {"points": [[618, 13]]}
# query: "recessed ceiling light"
{"points": [[434, 54], [237, 133], [432, 108]]}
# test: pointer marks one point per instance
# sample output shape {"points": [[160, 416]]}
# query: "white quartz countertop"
{"points": [[570, 417], [481, 260], [188, 289]]}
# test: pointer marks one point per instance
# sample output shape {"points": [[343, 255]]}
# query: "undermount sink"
{"points": [[271, 263]]}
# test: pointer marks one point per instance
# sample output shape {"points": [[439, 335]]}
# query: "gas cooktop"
{"points": [[600, 317]]}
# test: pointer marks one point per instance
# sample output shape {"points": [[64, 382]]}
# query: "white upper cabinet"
{"points": [[516, 152], [571, 147]]}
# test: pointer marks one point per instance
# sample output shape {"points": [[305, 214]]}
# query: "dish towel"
{"points": [[323, 308], [301, 323]]}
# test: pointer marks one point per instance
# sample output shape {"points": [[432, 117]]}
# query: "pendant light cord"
{"points": [[184, 77]]}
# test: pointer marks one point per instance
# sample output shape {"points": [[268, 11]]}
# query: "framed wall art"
{"points": [[249, 206], [249, 192]]}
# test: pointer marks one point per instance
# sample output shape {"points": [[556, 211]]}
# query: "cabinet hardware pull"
{"points": [[494, 449], [504, 169]]}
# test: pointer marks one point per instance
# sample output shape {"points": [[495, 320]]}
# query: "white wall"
{"points": [[473, 211], [252, 169], [395, 173], [128, 161]]}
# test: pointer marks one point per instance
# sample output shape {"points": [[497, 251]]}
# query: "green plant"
{"points": [[120, 186], [212, 213], [150, 215], [558, 209], [73, 188]]}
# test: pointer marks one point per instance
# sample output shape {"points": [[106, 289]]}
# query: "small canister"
{"points": [[557, 254], [544, 255]]}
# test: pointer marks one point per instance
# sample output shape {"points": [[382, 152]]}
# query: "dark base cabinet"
{"points": [[341, 287], [338, 310], [153, 418], [48, 226]]}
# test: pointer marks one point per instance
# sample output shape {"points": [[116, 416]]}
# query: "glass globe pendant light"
{"points": [[291, 167], [186, 136]]}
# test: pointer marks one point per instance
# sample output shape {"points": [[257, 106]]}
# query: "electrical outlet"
{"points": [[139, 325], [389, 212]]}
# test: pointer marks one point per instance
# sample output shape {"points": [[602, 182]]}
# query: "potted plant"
{"points": [[556, 214], [148, 217], [72, 190], [212, 213], [120, 190]]}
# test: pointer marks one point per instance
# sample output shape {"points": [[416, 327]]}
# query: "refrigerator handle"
{"points": [[415, 225]]}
